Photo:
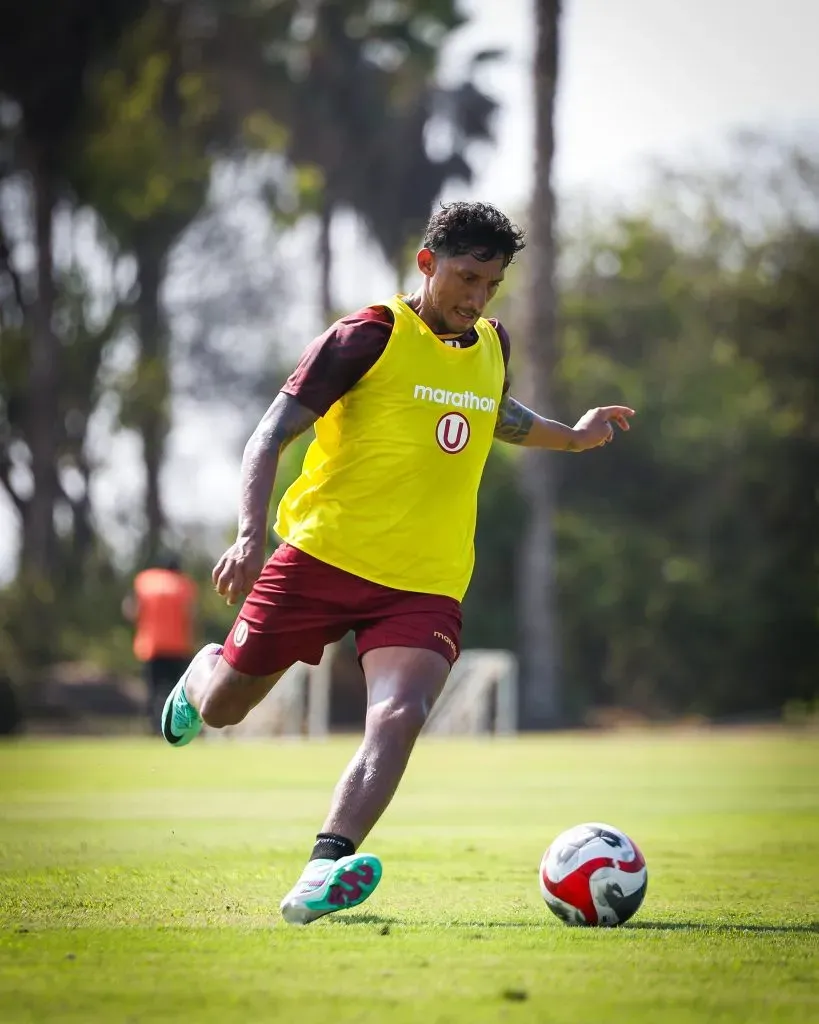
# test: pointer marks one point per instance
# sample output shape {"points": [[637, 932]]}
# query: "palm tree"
{"points": [[540, 689], [359, 110]]}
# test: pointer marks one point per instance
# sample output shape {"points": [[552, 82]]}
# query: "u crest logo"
{"points": [[452, 432]]}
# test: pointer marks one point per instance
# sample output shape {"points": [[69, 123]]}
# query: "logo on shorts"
{"points": [[452, 432], [240, 633], [447, 640]]}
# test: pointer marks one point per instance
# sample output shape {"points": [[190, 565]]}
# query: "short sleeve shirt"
{"points": [[337, 360]]}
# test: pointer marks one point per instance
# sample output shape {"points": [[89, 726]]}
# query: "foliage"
{"points": [[688, 549], [354, 85]]}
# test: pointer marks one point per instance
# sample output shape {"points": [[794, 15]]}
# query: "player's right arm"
{"points": [[329, 367], [239, 567]]}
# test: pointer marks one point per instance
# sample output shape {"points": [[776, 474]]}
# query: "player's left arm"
{"points": [[518, 425]]}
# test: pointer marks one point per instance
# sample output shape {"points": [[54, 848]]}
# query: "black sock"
{"points": [[330, 846]]}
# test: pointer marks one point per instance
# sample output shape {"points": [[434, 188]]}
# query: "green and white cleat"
{"points": [[329, 885], [181, 722]]}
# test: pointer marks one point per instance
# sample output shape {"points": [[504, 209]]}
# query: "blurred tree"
{"points": [[381, 115], [776, 316], [540, 679], [152, 122], [86, 324], [45, 51], [354, 84], [687, 557]]}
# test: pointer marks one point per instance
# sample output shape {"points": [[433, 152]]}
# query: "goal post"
{"points": [[480, 695]]}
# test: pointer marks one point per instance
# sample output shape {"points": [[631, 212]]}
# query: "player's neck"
{"points": [[428, 315]]}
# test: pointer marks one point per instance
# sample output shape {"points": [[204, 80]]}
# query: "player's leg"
{"points": [[279, 624], [403, 683], [212, 692], [407, 650]]}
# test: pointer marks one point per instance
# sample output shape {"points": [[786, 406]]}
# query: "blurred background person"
{"points": [[162, 607]]}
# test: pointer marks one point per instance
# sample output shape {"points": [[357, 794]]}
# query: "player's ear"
{"points": [[426, 262]]}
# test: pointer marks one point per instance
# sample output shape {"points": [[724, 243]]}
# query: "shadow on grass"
{"points": [[656, 926], [352, 919], [699, 926], [364, 919], [493, 924], [659, 926]]}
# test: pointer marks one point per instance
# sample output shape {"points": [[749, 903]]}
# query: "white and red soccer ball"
{"points": [[592, 875]]}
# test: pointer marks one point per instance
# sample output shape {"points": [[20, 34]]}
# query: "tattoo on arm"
{"points": [[282, 423], [514, 421], [284, 420]]}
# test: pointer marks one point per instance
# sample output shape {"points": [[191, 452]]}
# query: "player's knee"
{"points": [[402, 718], [218, 711]]}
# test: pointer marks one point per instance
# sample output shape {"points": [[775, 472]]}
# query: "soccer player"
{"points": [[406, 397]]}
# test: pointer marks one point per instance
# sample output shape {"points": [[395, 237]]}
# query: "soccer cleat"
{"points": [[181, 722], [329, 885]]}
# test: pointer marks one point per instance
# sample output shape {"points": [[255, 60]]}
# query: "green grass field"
{"points": [[141, 883]]}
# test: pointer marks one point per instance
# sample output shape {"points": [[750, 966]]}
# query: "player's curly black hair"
{"points": [[476, 228]]}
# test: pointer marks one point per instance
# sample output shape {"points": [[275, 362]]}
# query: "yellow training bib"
{"points": [[389, 488]]}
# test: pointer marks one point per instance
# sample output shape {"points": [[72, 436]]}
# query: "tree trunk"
{"points": [[39, 536], [153, 414], [540, 683], [325, 246], [84, 535]]}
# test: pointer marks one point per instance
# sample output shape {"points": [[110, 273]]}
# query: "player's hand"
{"points": [[238, 569], [595, 428]]}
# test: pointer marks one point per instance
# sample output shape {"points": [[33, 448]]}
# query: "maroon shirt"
{"points": [[338, 359]]}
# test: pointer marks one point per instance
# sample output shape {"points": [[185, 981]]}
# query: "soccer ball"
{"points": [[593, 874]]}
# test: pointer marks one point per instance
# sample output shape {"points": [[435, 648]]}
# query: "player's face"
{"points": [[459, 288]]}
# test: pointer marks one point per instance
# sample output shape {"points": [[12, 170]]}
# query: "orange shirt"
{"points": [[164, 618]]}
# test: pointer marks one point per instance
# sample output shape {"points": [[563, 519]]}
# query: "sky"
{"points": [[640, 81]]}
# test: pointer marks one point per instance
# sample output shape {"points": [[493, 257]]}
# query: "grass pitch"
{"points": [[141, 884]]}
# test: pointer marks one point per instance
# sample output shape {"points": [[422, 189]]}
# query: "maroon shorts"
{"points": [[300, 604]]}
